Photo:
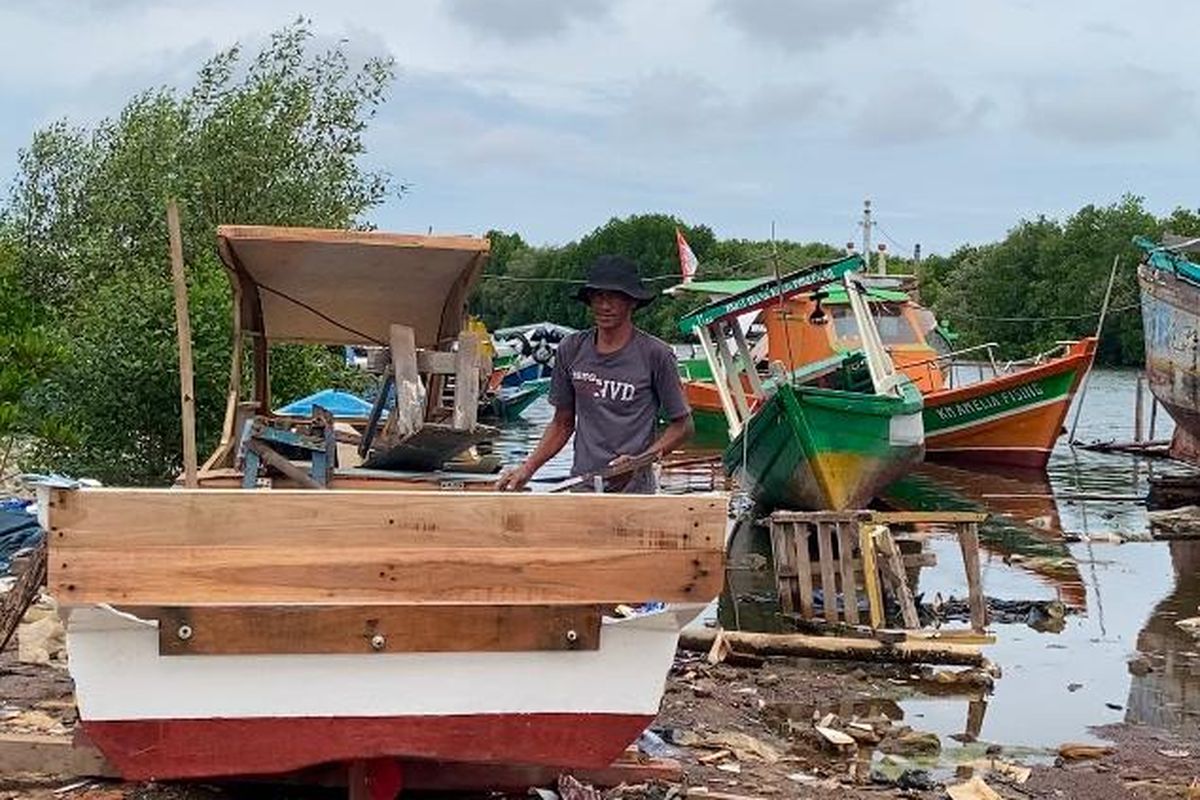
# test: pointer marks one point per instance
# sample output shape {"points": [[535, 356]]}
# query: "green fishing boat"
{"points": [[829, 436], [814, 448]]}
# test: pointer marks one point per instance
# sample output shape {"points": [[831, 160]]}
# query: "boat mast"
{"points": [[866, 224]]}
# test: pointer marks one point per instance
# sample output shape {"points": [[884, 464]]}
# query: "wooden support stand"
{"points": [[857, 554]]}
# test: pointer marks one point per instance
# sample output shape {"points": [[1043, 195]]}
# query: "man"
{"points": [[609, 385]]}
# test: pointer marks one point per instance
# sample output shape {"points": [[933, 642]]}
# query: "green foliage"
{"points": [[26, 355], [273, 138], [1045, 282]]}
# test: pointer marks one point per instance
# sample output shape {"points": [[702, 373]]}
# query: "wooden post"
{"points": [[1140, 385], [968, 540], [739, 336], [187, 396], [866, 546], [24, 592], [828, 585], [803, 567], [734, 380], [719, 377], [784, 554], [466, 381], [846, 537], [894, 567], [1153, 417], [409, 412]]}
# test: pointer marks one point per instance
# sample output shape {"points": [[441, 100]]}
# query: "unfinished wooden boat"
{"points": [[827, 436], [1009, 415], [368, 616], [1170, 286]]}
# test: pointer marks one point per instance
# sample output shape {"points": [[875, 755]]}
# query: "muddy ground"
{"points": [[741, 731]]}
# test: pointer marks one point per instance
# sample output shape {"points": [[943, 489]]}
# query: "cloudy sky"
{"points": [[548, 117]]}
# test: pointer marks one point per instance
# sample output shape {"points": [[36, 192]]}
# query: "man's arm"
{"points": [[555, 437]]}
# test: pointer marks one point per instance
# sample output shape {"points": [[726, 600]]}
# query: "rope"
{"points": [[323, 316]]}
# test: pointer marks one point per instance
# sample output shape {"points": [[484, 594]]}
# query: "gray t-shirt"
{"points": [[616, 398]]}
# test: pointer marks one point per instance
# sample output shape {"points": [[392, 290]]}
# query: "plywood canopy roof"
{"points": [[347, 287]]}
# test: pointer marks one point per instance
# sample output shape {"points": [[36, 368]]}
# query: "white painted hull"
{"points": [[119, 675]]}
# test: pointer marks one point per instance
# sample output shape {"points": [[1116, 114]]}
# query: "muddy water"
{"points": [[1119, 655]]}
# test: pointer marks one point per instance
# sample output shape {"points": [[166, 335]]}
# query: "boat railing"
{"points": [[1061, 347], [946, 363]]}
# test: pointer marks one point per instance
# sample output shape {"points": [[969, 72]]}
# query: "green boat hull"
{"points": [[816, 449]]}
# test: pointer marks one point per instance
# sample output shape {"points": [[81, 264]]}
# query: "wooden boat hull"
{"points": [[1012, 420], [164, 716], [817, 449], [1171, 317]]}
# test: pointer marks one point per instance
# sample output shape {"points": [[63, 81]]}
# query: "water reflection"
{"points": [[1164, 689], [1119, 657]]}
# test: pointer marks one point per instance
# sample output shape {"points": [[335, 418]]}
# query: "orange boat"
{"points": [[1008, 414]]}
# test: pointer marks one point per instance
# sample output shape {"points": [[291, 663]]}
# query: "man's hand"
{"points": [[514, 478], [624, 459]]}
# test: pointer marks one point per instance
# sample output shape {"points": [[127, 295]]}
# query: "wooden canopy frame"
{"points": [[323, 286]]}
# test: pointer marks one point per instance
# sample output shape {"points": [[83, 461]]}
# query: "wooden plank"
{"points": [[347, 573], [466, 380], [409, 411], [439, 362], [256, 630], [732, 417], [834, 647], [739, 336], [41, 754], [804, 568], [968, 541], [895, 570], [910, 560], [784, 558], [22, 594], [183, 325], [846, 541], [976, 710], [118, 519], [820, 516], [733, 378], [933, 517], [829, 593]]}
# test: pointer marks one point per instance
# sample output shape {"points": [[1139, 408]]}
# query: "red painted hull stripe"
{"points": [[199, 748]]}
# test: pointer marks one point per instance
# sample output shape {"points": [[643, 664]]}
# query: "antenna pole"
{"points": [[866, 224]]}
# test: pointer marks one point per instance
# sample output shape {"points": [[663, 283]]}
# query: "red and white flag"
{"points": [[687, 259]]}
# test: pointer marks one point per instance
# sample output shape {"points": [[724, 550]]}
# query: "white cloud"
{"points": [[518, 21], [797, 25], [1113, 106]]}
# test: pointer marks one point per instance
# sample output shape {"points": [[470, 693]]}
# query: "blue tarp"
{"points": [[18, 530], [338, 403]]}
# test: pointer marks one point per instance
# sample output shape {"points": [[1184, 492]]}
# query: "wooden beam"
{"points": [[351, 574], [894, 569], [739, 336], [932, 517], [833, 647], [829, 592], [733, 380], [183, 325], [190, 547], [466, 380], [870, 570], [846, 542], [721, 380], [24, 592], [804, 567], [439, 362], [968, 542], [257, 630], [268, 455], [409, 411], [117, 519]]}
